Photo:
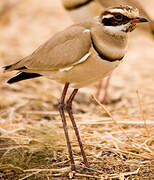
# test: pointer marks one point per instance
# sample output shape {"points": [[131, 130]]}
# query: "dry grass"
{"points": [[118, 138]]}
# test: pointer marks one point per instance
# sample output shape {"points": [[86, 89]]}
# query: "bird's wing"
{"points": [[61, 51]]}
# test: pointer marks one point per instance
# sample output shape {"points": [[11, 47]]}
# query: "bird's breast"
{"points": [[109, 46], [87, 72]]}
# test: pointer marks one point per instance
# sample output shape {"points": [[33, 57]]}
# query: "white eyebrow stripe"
{"points": [[84, 58], [117, 11], [108, 16]]}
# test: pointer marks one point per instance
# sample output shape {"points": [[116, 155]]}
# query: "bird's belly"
{"points": [[90, 71]]}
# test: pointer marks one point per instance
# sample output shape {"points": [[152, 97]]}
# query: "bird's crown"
{"points": [[127, 11]]}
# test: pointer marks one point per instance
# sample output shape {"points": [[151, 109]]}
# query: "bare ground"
{"points": [[118, 137]]}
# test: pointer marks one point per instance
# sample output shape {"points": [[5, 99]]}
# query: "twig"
{"points": [[66, 169], [10, 167], [87, 176], [110, 115], [142, 112], [120, 176], [36, 171], [29, 175], [133, 154]]}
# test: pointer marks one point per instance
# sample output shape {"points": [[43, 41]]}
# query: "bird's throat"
{"points": [[111, 46]]}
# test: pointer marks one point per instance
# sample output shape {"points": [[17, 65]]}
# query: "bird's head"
{"points": [[122, 18]]}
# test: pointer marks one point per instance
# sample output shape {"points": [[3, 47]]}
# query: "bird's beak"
{"points": [[138, 20]]}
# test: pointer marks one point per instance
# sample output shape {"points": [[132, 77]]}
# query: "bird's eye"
{"points": [[118, 17]]}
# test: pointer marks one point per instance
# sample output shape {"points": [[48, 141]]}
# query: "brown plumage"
{"points": [[79, 55], [86, 9]]}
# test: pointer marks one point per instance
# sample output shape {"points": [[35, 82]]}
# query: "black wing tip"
{"points": [[23, 76], [7, 67], [22, 68], [11, 81]]}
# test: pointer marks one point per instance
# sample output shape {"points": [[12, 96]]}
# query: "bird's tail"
{"points": [[15, 66], [20, 67], [22, 76]]}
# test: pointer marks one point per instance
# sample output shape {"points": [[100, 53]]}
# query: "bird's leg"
{"points": [[61, 107], [70, 112], [104, 101]]}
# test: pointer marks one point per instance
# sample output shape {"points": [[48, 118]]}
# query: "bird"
{"points": [[86, 9], [78, 56]]}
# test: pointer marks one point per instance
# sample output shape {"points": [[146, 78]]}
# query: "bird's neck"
{"points": [[112, 44]]}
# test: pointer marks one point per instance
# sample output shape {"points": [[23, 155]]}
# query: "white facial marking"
{"points": [[65, 69], [117, 11], [86, 30], [96, 18], [108, 16], [115, 29]]}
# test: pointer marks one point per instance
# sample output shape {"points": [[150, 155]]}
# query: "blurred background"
{"points": [[30, 124]]}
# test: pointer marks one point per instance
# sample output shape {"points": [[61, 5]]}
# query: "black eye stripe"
{"points": [[113, 22]]}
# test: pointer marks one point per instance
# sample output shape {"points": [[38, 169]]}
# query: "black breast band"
{"points": [[101, 55]]}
